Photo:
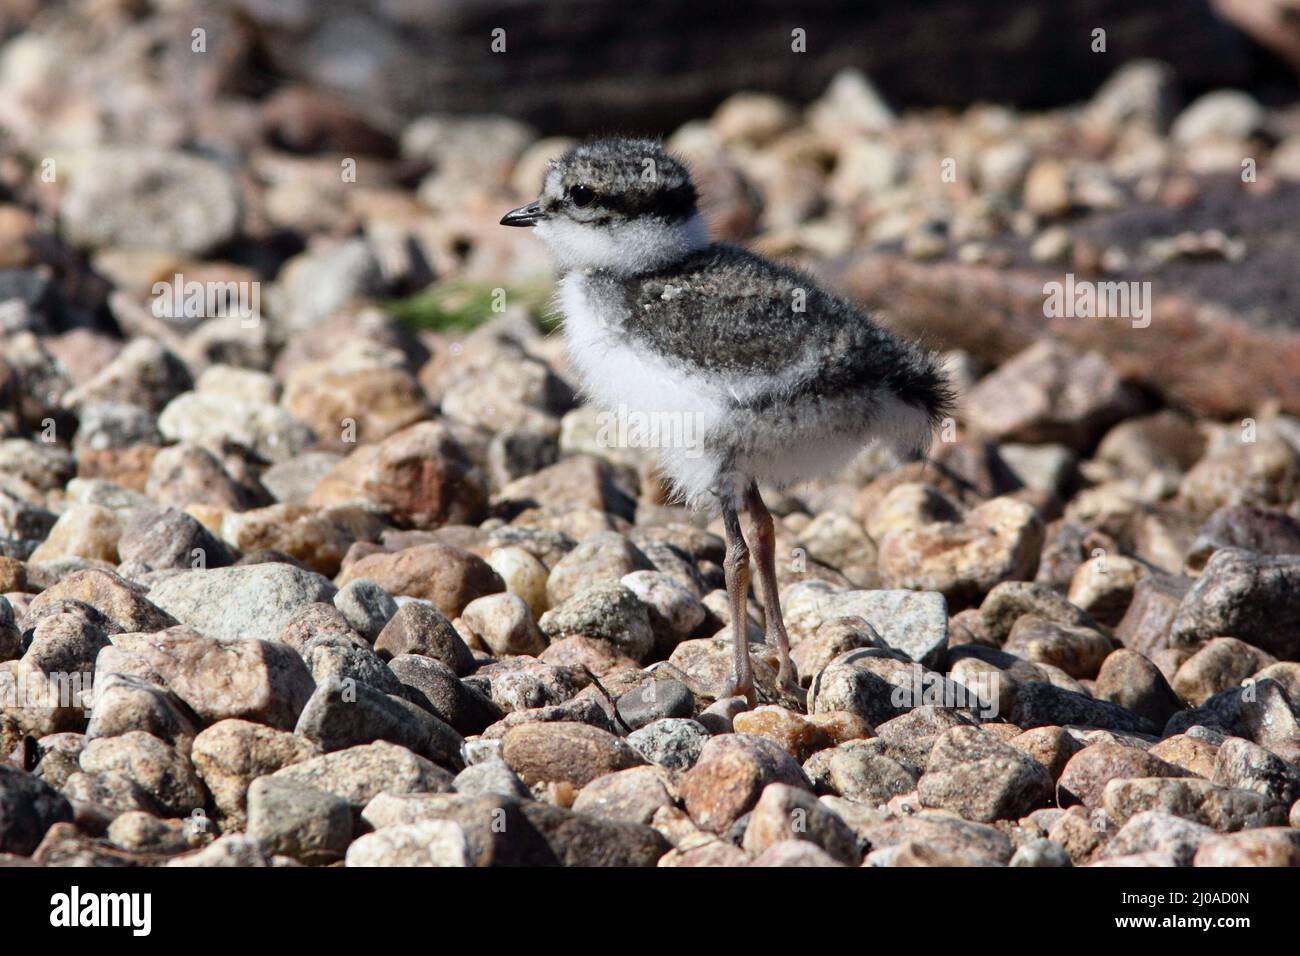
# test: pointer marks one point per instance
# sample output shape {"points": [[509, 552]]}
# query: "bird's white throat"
{"points": [[638, 245]]}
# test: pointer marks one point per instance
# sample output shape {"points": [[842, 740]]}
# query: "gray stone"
{"points": [[143, 197], [339, 716], [360, 773], [366, 606], [1153, 830], [1041, 853], [913, 622], [432, 685], [1040, 704], [673, 743], [439, 843], [250, 601], [491, 777], [1253, 597], [160, 538], [28, 808], [331, 656], [291, 818], [1247, 766], [607, 611], [974, 774], [655, 700], [159, 770], [420, 628]]}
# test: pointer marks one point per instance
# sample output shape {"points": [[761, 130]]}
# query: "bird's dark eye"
{"points": [[581, 195]]}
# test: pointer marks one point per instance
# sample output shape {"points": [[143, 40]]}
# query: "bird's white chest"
{"points": [[620, 374]]}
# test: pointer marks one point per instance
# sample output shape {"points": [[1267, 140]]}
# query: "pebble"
{"points": [[148, 198], [160, 771], [607, 611], [240, 602], [503, 624], [786, 813], [428, 843], [434, 686], [914, 623], [448, 577], [997, 541], [730, 776], [230, 754], [219, 678], [674, 743], [1243, 594], [418, 627], [28, 808], [294, 819], [358, 774], [566, 752], [1086, 774], [634, 795], [972, 773], [1134, 683], [341, 715], [655, 700], [1220, 808]]}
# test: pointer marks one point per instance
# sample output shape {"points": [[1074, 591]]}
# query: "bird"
{"points": [[778, 380]]}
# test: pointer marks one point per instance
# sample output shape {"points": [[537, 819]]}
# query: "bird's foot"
{"points": [[788, 684], [735, 687]]}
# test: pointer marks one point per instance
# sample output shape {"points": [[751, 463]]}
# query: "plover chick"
{"points": [[755, 372]]}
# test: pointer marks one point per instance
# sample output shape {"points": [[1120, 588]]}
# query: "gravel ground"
{"points": [[340, 582]]}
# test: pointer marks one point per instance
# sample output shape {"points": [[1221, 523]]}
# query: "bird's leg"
{"points": [[762, 533], [735, 567]]}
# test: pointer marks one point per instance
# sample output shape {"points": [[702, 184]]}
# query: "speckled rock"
{"points": [[1086, 774], [232, 753], [1246, 766], [162, 772], [633, 795], [295, 819], [607, 611], [366, 606], [228, 677], [1220, 808], [728, 779], [997, 541], [914, 623], [447, 576], [1272, 846], [792, 732], [504, 624], [253, 601], [565, 751], [1218, 665], [784, 813], [1134, 683], [673, 743], [428, 843], [972, 773], [420, 628], [358, 774], [340, 715], [28, 808]]}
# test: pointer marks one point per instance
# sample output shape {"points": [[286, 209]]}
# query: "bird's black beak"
{"points": [[524, 215]]}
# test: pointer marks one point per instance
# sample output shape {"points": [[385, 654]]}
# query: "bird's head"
{"points": [[623, 205]]}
